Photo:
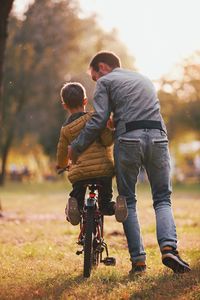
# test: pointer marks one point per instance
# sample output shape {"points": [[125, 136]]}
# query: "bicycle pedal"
{"points": [[79, 252], [109, 261], [80, 242]]}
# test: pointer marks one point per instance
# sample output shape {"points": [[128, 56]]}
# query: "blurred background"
{"points": [[50, 42]]}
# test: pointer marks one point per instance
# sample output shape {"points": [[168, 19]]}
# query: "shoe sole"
{"points": [[72, 211], [172, 262], [121, 211]]}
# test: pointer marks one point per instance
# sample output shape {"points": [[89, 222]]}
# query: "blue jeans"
{"points": [[148, 148]]}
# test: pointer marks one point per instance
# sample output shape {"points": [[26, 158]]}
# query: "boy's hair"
{"points": [[107, 57], [73, 94]]}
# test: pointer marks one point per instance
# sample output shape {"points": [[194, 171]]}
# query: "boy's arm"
{"points": [[62, 150]]}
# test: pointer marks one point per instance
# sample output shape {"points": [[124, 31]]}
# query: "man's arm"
{"points": [[97, 122]]}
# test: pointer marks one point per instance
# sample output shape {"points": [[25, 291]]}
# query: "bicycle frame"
{"points": [[98, 244]]}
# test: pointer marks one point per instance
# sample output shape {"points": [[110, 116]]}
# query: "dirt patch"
{"points": [[116, 233]]}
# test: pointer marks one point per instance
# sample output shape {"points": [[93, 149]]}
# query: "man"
{"points": [[140, 140]]}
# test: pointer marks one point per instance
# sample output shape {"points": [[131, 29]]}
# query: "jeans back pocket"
{"points": [[128, 141]]}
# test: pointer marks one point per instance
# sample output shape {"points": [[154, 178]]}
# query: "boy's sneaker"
{"points": [[121, 211], [138, 268], [172, 260], [72, 211]]}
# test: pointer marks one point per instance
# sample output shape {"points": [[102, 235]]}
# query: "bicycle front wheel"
{"points": [[88, 244]]}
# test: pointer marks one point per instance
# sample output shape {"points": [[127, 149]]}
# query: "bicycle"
{"points": [[91, 235]]}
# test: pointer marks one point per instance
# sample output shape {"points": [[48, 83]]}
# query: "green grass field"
{"points": [[37, 249]]}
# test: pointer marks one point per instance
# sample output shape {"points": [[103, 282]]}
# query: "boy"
{"points": [[94, 165]]}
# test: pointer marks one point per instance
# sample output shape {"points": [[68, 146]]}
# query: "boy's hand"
{"points": [[72, 156], [60, 170]]}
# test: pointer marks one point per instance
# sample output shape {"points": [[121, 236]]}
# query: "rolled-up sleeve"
{"points": [[98, 120]]}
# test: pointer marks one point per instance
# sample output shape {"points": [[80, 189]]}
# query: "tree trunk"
{"points": [[1, 210], [5, 8], [10, 132], [5, 151]]}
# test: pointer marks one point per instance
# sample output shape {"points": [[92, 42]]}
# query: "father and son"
{"points": [[140, 139]]}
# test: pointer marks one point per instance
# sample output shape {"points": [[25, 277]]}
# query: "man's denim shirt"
{"points": [[129, 95]]}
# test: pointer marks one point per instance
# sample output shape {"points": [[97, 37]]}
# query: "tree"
{"points": [[18, 61], [63, 44], [5, 8], [180, 98], [53, 44]]}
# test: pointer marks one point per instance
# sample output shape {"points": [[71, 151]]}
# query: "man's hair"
{"points": [[107, 57], [73, 94]]}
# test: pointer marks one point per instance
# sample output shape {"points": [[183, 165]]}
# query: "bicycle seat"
{"points": [[92, 185]]}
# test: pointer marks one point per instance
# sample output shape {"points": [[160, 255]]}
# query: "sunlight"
{"points": [[159, 34]]}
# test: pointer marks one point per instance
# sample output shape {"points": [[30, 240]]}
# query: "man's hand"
{"points": [[110, 124], [72, 156]]}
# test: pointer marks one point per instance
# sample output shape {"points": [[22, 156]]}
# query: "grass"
{"points": [[37, 249]]}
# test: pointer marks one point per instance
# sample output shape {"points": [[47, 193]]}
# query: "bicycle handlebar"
{"points": [[62, 170]]}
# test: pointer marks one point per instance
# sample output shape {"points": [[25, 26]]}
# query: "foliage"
{"points": [[180, 98], [49, 46], [59, 46]]}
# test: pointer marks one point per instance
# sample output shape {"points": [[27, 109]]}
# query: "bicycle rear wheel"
{"points": [[88, 243]]}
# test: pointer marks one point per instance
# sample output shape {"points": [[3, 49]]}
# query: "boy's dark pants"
{"points": [[104, 190]]}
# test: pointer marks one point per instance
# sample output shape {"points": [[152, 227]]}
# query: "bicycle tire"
{"points": [[88, 243]]}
